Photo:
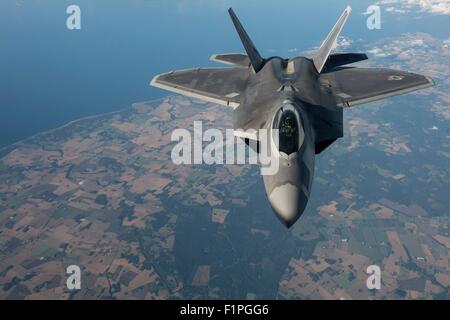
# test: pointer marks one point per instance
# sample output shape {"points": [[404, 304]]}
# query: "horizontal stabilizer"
{"points": [[341, 59], [234, 59]]}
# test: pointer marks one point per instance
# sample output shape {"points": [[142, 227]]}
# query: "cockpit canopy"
{"points": [[290, 130]]}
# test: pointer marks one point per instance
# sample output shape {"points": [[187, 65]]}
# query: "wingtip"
{"points": [[213, 57], [430, 81], [348, 9], [153, 82]]}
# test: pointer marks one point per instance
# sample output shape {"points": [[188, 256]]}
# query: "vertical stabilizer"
{"points": [[322, 54], [255, 58]]}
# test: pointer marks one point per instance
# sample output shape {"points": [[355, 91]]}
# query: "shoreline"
{"points": [[9, 148]]}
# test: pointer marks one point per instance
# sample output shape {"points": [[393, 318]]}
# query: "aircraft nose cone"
{"points": [[285, 201]]}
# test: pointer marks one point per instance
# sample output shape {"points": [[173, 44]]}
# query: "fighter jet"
{"points": [[303, 98]]}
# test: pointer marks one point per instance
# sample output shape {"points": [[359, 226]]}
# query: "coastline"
{"points": [[11, 147]]}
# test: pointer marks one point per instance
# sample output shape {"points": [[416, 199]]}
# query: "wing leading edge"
{"points": [[353, 86], [224, 86]]}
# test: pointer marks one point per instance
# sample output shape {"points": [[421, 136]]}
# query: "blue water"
{"points": [[50, 75]]}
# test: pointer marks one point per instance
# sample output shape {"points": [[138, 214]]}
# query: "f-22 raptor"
{"points": [[303, 98]]}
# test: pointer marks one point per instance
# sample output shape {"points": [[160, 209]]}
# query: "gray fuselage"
{"points": [[291, 88]]}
